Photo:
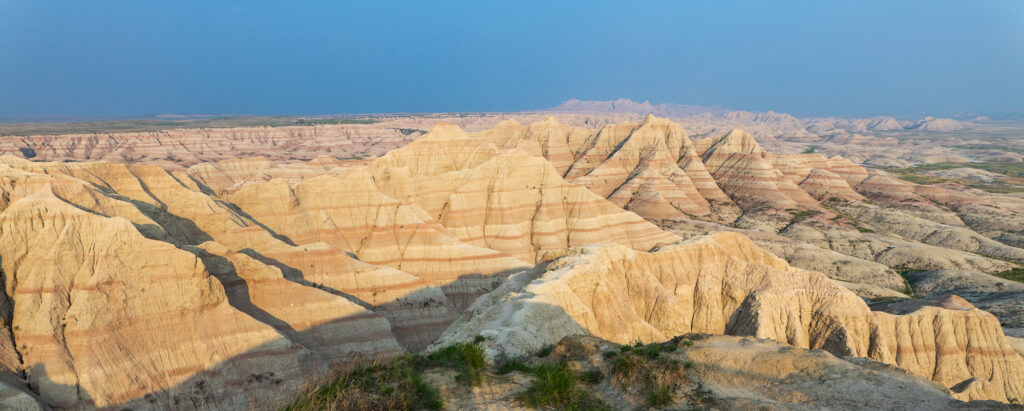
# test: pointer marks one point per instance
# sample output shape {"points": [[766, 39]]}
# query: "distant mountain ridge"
{"points": [[813, 124], [625, 105]]}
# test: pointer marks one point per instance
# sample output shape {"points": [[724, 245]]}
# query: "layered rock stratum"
{"points": [[115, 269], [136, 282], [725, 284]]}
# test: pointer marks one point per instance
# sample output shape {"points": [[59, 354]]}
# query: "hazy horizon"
{"points": [[848, 59]]}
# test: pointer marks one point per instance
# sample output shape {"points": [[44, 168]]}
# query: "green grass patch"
{"points": [[803, 215], [631, 358], [467, 358], [647, 368], [660, 396], [625, 364], [1013, 274], [557, 386], [397, 385], [680, 341], [1019, 150], [655, 350], [1001, 167], [904, 272], [1013, 183], [544, 352]]}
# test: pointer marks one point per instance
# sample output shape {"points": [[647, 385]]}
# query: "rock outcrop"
{"points": [[750, 373], [720, 372], [230, 175], [187, 216], [938, 124], [745, 171], [349, 212], [724, 284], [508, 201], [90, 311], [199, 281], [651, 168], [100, 291], [152, 285]]}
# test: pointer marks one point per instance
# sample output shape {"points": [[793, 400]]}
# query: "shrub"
{"points": [[544, 352], [660, 396], [624, 365]]}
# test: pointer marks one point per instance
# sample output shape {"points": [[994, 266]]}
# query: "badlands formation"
{"points": [[171, 274]]}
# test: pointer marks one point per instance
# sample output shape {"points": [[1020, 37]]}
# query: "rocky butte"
{"points": [[239, 281]]}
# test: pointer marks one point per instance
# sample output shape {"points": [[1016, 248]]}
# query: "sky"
{"points": [[808, 58]]}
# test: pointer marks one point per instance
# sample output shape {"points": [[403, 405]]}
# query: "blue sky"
{"points": [[848, 58]]}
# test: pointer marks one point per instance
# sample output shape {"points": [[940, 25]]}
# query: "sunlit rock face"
{"points": [[119, 270], [725, 284], [144, 284]]}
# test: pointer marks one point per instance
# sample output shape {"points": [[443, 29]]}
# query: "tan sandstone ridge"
{"points": [[119, 270], [231, 175], [626, 164], [653, 169], [249, 275], [448, 208], [199, 324], [724, 284], [348, 212], [649, 167], [191, 217], [99, 298], [185, 147], [507, 201], [452, 185]]}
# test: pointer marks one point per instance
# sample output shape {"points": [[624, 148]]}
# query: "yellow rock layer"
{"points": [[725, 284]]}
